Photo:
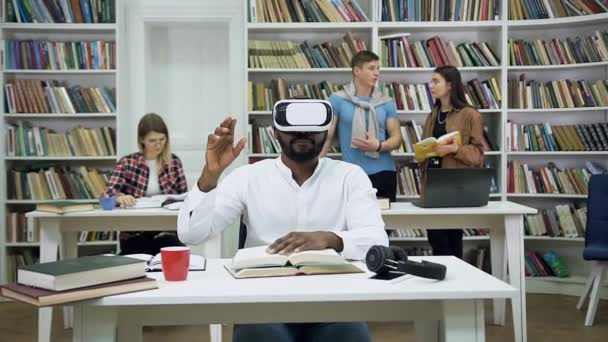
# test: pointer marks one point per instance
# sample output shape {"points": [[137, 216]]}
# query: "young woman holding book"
{"points": [[153, 170], [451, 113]]}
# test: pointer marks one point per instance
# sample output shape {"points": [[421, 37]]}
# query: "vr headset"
{"points": [[391, 262], [302, 115]]}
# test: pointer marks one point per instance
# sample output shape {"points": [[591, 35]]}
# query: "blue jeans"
{"points": [[302, 332]]}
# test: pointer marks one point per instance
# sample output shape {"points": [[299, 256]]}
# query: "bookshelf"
{"points": [[106, 76], [497, 33]]}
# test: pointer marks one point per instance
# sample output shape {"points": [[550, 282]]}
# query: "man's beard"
{"points": [[303, 156]]}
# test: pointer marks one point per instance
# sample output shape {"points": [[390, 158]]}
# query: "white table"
{"points": [[505, 221], [62, 230], [214, 296]]}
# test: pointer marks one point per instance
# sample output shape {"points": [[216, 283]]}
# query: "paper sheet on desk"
{"points": [[154, 263]]}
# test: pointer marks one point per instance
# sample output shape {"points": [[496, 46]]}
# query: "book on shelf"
{"points": [[93, 236], [255, 262], [529, 94], [448, 10], [549, 179], [19, 257], [572, 50], [545, 9], [548, 264], [51, 96], [281, 54], [435, 51], [42, 297], [60, 55], [64, 207], [263, 97], [408, 179], [561, 220], [263, 140], [80, 272], [56, 183], [19, 229], [74, 11], [548, 137], [154, 263], [26, 141], [426, 148], [290, 11]]}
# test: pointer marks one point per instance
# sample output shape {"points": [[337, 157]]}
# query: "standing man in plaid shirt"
{"points": [[154, 170]]}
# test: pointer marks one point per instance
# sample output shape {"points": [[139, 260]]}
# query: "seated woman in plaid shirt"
{"points": [[152, 171]]}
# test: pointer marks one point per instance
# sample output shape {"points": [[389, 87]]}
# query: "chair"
{"points": [[242, 235], [596, 243]]}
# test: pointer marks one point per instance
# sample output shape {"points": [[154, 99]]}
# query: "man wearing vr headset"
{"points": [[292, 203]]}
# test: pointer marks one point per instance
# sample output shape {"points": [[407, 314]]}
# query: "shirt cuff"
{"points": [[349, 250]]}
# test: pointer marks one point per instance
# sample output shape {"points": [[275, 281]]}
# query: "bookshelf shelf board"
{"points": [[66, 158], [61, 116], [72, 201], [403, 197], [554, 238], [58, 72], [461, 69], [98, 243], [299, 27], [524, 195], [58, 27], [22, 244], [452, 25], [557, 66], [556, 110], [424, 238], [559, 153], [298, 70], [561, 22]]}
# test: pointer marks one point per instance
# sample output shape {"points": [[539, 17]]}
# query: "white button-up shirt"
{"points": [[338, 197]]}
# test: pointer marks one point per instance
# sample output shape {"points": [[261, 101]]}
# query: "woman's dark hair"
{"points": [[452, 76]]}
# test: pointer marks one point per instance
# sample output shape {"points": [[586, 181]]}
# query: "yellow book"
{"points": [[426, 148]]}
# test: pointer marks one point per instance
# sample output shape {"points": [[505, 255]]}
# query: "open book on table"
{"points": [[172, 202], [426, 148], [254, 262], [154, 262]]}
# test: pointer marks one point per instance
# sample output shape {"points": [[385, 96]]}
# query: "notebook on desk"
{"points": [[172, 202], [445, 188]]}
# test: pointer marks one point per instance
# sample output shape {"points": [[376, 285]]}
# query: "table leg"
{"points": [[70, 251], [497, 251], [50, 239], [94, 323], [463, 320], [427, 330], [213, 249], [515, 257]]}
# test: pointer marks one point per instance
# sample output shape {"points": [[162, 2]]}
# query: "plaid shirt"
{"points": [[130, 177]]}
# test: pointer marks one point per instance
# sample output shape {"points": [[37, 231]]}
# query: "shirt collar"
{"points": [[286, 171]]}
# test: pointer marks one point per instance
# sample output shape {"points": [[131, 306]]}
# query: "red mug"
{"points": [[176, 262]]}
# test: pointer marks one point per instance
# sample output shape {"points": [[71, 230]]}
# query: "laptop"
{"points": [[456, 188]]}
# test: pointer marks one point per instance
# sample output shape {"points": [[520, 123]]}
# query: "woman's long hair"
{"points": [[457, 95], [152, 122]]}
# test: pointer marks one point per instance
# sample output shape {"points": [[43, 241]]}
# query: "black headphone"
{"points": [[391, 262]]}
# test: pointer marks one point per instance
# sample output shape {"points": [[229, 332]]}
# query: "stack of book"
{"points": [[576, 50], [82, 11], [544, 9], [284, 54], [529, 94], [263, 97], [547, 137], [54, 55], [550, 179], [290, 11], [563, 220], [73, 280], [398, 52], [56, 183], [447, 10], [48, 96]]}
